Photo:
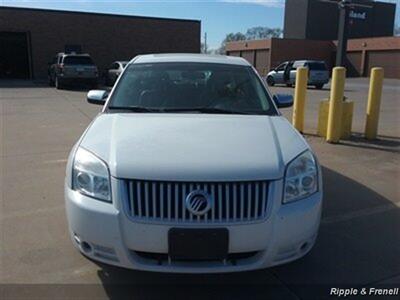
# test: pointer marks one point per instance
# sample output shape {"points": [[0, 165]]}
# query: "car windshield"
{"points": [[77, 60], [317, 66], [197, 87]]}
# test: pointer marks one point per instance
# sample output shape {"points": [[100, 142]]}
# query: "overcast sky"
{"points": [[218, 17]]}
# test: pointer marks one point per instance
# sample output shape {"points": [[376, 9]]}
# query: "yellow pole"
{"points": [[300, 98], [374, 103], [335, 105]]}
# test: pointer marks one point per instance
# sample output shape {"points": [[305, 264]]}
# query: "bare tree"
{"points": [[254, 33], [231, 37], [258, 33]]}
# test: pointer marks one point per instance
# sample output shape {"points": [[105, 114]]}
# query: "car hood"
{"points": [[193, 147]]}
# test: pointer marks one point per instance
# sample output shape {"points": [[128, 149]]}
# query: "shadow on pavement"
{"points": [[358, 244], [388, 144], [20, 83]]}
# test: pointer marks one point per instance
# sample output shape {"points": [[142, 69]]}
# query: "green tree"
{"points": [[231, 37]]}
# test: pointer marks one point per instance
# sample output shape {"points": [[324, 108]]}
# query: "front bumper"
{"points": [[103, 232]]}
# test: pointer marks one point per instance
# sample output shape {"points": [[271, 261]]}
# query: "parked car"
{"points": [[190, 167], [69, 68], [114, 71], [285, 73]]}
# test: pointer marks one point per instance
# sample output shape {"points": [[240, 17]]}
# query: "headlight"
{"points": [[301, 178], [90, 176]]}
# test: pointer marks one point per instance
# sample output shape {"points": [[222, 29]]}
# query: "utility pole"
{"points": [[344, 7], [205, 42], [343, 31]]}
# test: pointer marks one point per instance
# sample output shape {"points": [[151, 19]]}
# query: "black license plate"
{"points": [[198, 244]]}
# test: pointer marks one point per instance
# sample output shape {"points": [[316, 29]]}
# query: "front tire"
{"points": [[270, 81]]}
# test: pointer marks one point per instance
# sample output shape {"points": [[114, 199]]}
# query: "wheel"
{"points": [[270, 81], [58, 84], [319, 86]]}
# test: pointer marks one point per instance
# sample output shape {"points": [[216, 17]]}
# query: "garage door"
{"points": [[14, 59], [249, 56], [389, 60], [262, 62], [353, 64]]}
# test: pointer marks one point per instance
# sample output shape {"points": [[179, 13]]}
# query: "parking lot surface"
{"points": [[358, 243]]}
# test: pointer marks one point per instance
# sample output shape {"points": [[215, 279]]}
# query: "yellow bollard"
{"points": [[335, 105], [374, 103], [300, 98]]}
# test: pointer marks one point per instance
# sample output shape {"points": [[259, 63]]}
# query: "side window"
{"points": [[298, 64], [281, 67]]}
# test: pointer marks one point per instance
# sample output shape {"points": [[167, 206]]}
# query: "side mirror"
{"points": [[97, 97], [283, 100]]}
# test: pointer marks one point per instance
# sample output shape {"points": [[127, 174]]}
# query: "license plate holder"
{"points": [[198, 244]]}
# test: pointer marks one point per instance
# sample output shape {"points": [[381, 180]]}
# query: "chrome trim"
{"points": [[230, 202]]}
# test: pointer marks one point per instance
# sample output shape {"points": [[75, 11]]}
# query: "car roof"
{"points": [[186, 57], [309, 61], [73, 54]]}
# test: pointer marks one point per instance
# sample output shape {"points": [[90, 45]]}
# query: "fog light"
{"points": [[86, 247]]}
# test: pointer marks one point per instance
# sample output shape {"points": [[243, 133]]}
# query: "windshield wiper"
{"points": [[206, 110], [135, 108]]}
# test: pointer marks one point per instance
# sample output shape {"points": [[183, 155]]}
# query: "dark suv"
{"points": [[72, 68]]}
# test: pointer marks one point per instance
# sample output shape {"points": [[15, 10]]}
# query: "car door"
{"points": [[52, 66], [278, 75], [293, 71], [57, 69], [55, 66]]}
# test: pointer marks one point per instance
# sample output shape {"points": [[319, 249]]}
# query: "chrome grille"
{"points": [[165, 201]]}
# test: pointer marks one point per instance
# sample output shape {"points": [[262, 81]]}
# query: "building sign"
{"points": [[358, 15]]}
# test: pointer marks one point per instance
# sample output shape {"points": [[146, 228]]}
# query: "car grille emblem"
{"points": [[198, 202]]}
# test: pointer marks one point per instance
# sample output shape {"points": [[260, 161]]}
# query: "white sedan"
{"points": [[191, 168]]}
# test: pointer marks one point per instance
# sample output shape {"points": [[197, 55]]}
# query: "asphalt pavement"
{"points": [[358, 244]]}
